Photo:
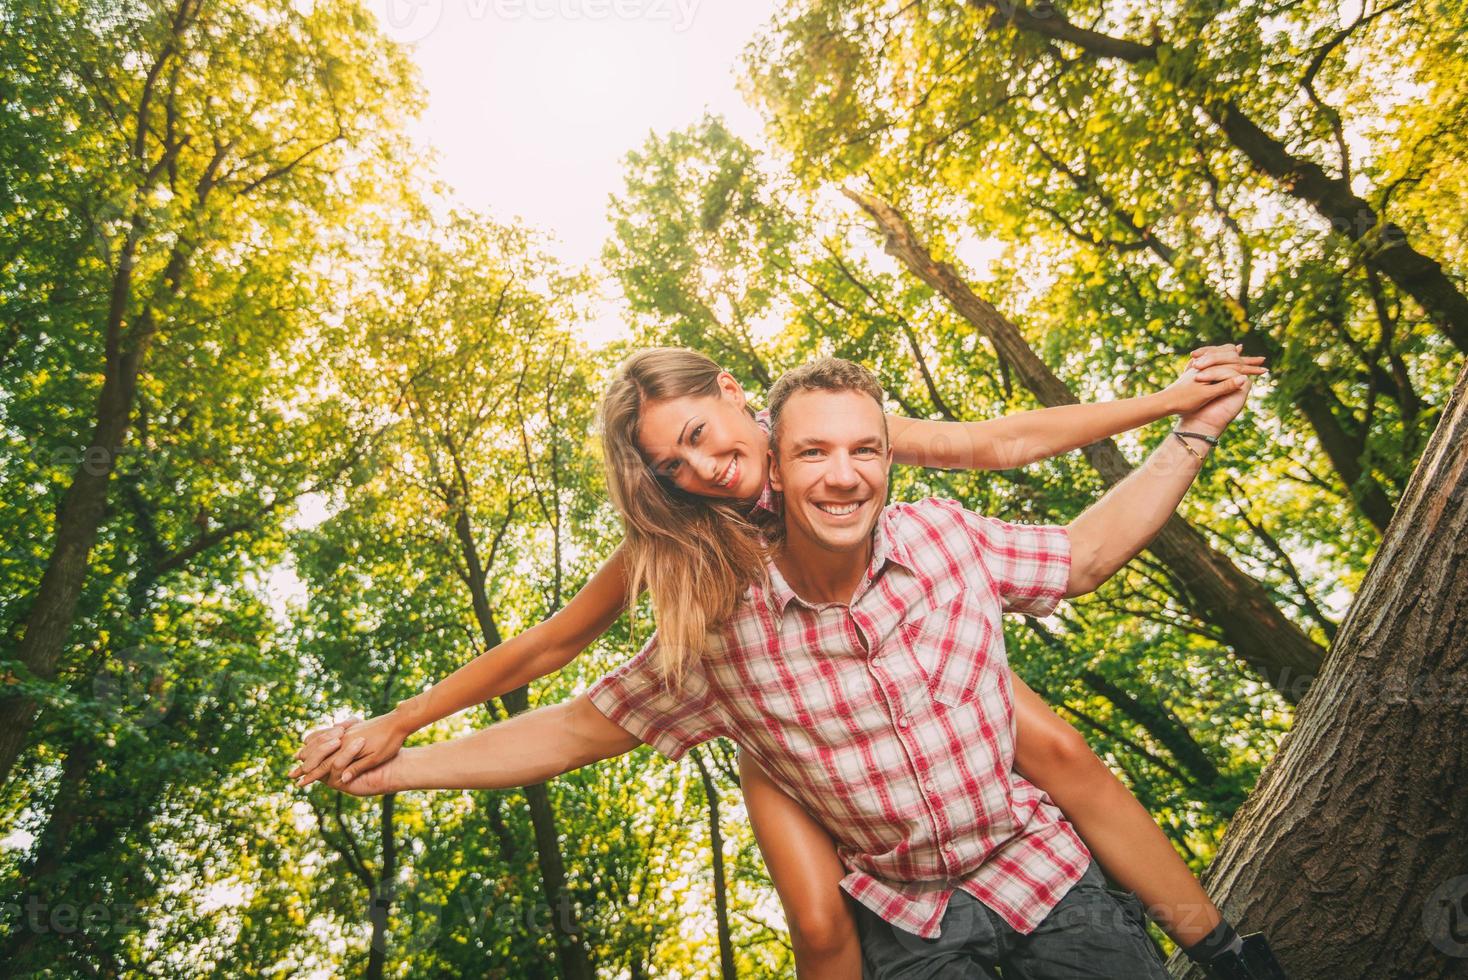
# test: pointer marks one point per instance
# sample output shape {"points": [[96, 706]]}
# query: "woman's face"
{"points": [[706, 445]]}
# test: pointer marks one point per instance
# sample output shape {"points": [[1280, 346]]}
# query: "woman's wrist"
{"points": [[1165, 403], [412, 713]]}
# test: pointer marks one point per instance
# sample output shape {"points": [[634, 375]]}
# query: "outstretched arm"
{"points": [[529, 748], [1025, 437], [540, 650], [1112, 530]]}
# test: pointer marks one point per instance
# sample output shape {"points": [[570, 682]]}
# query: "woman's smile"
{"points": [[731, 473]]}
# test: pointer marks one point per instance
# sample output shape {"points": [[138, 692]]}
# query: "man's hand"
{"points": [[1210, 370], [1215, 416], [377, 781], [1121, 523], [360, 746]]}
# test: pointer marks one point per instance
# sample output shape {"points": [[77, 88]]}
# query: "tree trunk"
{"points": [[575, 963], [1259, 633], [1384, 246], [383, 891], [721, 888], [78, 520], [1350, 853]]}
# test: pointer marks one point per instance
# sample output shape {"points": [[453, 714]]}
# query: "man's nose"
{"points": [[841, 472]]}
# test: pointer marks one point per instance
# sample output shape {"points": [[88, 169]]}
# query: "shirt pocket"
{"points": [[950, 644]]}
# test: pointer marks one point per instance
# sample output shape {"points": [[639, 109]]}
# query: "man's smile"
{"points": [[840, 509]]}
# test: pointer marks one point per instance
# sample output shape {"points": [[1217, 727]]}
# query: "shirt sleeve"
{"points": [[1029, 563], [672, 721]]}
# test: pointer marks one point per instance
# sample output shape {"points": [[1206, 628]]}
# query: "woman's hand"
{"points": [[1211, 372], [347, 748], [316, 749]]}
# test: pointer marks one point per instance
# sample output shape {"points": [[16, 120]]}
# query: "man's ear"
{"points": [[730, 386], [774, 471]]}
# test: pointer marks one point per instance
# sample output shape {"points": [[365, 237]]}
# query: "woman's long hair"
{"points": [[696, 556]]}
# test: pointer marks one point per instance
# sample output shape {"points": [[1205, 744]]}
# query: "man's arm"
{"points": [[527, 749], [1111, 532]]}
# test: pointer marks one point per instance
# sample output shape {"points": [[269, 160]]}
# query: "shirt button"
{"points": [[902, 721], [949, 847]]}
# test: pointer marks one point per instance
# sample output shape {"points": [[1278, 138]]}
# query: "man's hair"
{"points": [[825, 374]]}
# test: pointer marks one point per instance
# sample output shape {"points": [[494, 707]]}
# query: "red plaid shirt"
{"points": [[890, 718]]}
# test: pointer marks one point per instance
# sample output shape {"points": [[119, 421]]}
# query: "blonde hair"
{"points": [[696, 556]]}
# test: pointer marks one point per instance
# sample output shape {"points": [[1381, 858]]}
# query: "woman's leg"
{"points": [[1119, 831], [806, 872]]}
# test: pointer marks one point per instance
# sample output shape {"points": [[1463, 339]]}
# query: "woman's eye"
{"points": [[697, 430]]}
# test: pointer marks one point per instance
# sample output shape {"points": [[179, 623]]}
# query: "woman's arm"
{"points": [[1025, 437], [540, 650], [807, 876]]}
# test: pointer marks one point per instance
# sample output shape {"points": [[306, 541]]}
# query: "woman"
{"points": [[687, 465]]}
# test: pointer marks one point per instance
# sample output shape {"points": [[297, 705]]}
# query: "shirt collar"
{"points": [[886, 547]]}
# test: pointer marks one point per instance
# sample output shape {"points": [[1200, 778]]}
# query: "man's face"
{"points": [[832, 466]]}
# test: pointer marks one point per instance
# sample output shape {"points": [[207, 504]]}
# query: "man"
{"points": [[868, 677]]}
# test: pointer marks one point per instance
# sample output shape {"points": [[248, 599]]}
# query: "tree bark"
{"points": [[1237, 605], [1384, 245], [1350, 853]]}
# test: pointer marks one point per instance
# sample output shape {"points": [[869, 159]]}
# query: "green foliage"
{"points": [[361, 448]]}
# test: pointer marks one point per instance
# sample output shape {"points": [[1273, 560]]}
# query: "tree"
{"points": [[1372, 769], [1147, 220], [1262, 636], [1186, 67], [204, 140]]}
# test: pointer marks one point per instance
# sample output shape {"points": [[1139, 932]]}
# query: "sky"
{"points": [[532, 104]]}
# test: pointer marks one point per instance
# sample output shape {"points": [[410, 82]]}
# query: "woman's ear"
{"points": [[730, 386]]}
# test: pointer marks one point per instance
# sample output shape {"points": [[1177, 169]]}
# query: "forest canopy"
{"points": [[246, 339]]}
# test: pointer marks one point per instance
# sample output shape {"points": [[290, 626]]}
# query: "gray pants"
{"points": [[1093, 934]]}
